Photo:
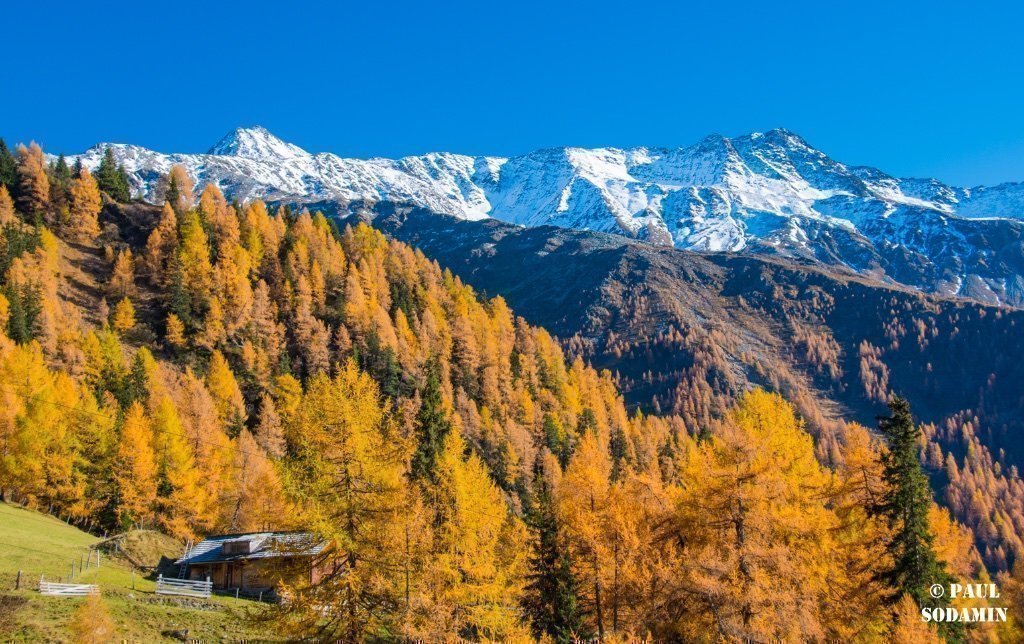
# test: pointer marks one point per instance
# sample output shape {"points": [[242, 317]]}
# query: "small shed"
{"points": [[257, 561]]}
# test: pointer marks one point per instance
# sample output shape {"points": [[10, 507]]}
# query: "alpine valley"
{"points": [[763, 193]]}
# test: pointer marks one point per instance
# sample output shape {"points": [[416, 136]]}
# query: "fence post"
{"points": [[236, 594], [97, 558], [72, 576], [17, 583]]}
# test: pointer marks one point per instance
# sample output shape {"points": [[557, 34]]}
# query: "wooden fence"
{"points": [[186, 587], [66, 590]]}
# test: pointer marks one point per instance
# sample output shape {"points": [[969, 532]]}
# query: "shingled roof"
{"points": [[261, 545]]}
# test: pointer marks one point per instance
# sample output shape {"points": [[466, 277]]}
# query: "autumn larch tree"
{"points": [[161, 247], [480, 563], [33, 183], [754, 522], [122, 278], [269, 433], [84, 207], [347, 467], [135, 469], [7, 215], [176, 189]]}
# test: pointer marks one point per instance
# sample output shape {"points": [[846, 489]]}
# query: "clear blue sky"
{"points": [[922, 89]]}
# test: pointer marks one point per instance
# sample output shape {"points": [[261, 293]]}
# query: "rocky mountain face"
{"points": [[763, 193]]}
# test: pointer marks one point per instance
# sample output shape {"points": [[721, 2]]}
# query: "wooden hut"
{"points": [[257, 562]]}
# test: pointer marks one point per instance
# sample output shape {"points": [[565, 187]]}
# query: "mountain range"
{"points": [[765, 193]]}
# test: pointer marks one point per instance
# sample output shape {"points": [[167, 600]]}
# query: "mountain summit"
{"points": [[256, 143], [765, 192]]}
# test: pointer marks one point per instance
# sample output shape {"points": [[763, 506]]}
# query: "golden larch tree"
{"points": [[33, 182], [481, 560], [84, 207], [7, 215], [348, 471], [123, 317], [227, 396], [161, 248], [755, 524], [135, 469], [122, 278]]}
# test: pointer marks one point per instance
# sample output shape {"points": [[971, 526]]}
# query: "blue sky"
{"points": [[916, 89]]}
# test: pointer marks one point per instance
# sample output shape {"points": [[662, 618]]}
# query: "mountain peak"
{"points": [[256, 143], [781, 137]]}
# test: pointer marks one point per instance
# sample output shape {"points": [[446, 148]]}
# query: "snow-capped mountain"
{"points": [[764, 192]]}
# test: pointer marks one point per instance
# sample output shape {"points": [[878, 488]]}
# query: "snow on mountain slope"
{"points": [[765, 192]]}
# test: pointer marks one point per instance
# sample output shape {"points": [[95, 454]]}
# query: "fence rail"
{"points": [[67, 590], [186, 587]]}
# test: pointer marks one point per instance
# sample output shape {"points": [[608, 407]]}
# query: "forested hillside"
{"points": [[687, 333], [208, 366]]}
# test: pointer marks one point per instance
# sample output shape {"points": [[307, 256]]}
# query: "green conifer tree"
{"points": [[8, 169], [915, 567], [123, 190], [433, 425], [112, 179], [60, 171], [557, 440], [60, 189], [551, 599]]}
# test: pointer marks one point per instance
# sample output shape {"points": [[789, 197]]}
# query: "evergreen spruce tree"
{"points": [[557, 440], [112, 178], [916, 567], [105, 171], [8, 169], [24, 309], [179, 300], [433, 425], [618, 449], [61, 172], [133, 386], [551, 597], [123, 189], [173, 194]]}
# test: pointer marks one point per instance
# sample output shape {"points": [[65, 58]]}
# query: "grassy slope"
{"points": [[38, 544]]}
